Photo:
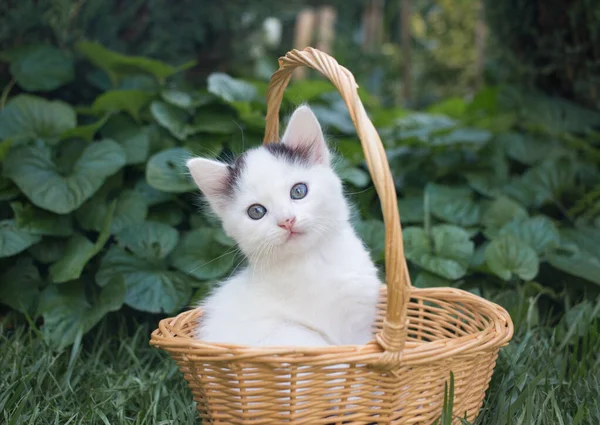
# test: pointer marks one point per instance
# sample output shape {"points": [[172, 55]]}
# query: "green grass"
{"points": [[545, 376]]}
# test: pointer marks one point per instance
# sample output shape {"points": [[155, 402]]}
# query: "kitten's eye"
{"points": [[256, 211], [299, 191]]}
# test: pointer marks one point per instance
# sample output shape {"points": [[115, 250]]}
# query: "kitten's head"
{"points": [[277, 199]]}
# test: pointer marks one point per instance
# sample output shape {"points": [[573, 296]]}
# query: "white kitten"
{"points": [[310, 280]]}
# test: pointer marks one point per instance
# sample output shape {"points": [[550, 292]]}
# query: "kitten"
{"points": [[309, 280]]}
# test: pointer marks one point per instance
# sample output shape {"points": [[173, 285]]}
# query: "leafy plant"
{"points": [[97, 210]]}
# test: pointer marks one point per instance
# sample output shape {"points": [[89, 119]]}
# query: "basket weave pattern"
{"points": [[420, 336]]}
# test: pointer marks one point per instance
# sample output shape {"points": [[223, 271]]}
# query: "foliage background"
{"points": [[100, 230]]}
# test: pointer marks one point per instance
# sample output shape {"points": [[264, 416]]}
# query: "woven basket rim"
{"points": [[497, 332]]}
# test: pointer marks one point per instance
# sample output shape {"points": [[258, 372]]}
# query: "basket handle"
{"points": [[394, 331]]}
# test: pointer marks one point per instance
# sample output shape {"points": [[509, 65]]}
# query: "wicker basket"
{"points": [[421, 335]]}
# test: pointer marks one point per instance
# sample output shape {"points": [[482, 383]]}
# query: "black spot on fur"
{"points": [[235, 171], [294, 155]]}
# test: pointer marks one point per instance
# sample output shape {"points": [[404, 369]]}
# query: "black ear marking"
{"points": [[235, 169], [299, 154]]}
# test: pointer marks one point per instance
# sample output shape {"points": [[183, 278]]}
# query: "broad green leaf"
{"points": [[48, 187], [134, 139], [412, 209], [538, 232], [151, 195], [454, 107], [353, 175], [334, 117], [493, 175], [544, 182], [42, 68], [79, 251], [524, 148], [68, 313], [229, 89], [501, 211], [253, 117], [507, 256], [85, 132], [577, 263], [462, 136], [167, 213], [48, 250], [166, 171], [131, 208], [372, 233], [428, 280], [26, 117], [186, 99], [200, 254], [149, 240], [20, 286], [117, 65], [351, 150], [446, 252], [150, 286], [130, 101], [207, 121], [40, 222], [422, 126], [172, 118], [453, 204], [14, 240], [586, 238]]}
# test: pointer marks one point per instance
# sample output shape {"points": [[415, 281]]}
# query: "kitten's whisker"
{"points": [[234, 250]]}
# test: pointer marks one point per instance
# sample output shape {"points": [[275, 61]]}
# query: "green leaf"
{"points": [[544, 182], [172, 118], [462, 136], [118, 66], [48, 250], [506, 256], [453, 204], [166, 171], [501, 211], [577, 263], [48, 187], [168, 213], [428, 280], [79, 251], [586, 238], [307, 90], [130, 101], [85, 132], [39, 222], [149, 240], [14, 240], [372, 233], [26, 117], [229, 89], [150, 287], [214, 123], [202, 255], [131, 208], [151, 195], [353, 175], [186, 100], [42, 68], [412, 209], [20, 286], [446, 252], [538, 232], [524, 148], [68, 313]]}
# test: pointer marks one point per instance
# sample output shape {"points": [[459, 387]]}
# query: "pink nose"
{"points": [[287, 224]]}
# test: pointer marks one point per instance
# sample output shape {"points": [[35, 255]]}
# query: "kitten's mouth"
{"points": [[293, 234]]}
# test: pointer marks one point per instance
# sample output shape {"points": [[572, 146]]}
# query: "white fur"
{"points": [[314, 289]]}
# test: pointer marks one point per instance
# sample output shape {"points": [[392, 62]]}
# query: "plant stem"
{"points": [[5, 93]]}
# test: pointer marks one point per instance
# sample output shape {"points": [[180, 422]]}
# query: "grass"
{"points": [[547, 375]]}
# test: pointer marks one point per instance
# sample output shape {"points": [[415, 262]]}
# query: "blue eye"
{"points": [[256, 211], [299, 191]]}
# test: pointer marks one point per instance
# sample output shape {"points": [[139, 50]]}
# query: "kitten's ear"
{"points": [[304, 132], [211, 178]]}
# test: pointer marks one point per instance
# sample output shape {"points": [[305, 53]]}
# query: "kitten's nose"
{"points": [[288, 223]]}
